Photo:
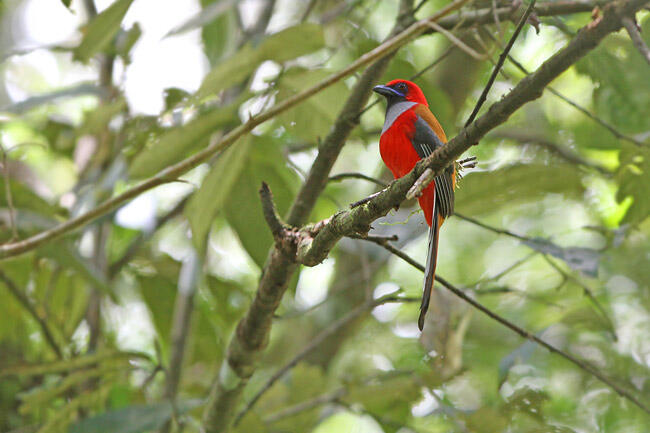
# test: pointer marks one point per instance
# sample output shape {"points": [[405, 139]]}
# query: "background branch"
{"points": [[522, 332]]}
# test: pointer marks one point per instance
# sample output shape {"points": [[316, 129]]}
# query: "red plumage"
{"points": [[411, 132], [399, 155]]}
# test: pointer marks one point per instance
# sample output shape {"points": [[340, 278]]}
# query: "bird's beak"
{"points": [[387, 91]]}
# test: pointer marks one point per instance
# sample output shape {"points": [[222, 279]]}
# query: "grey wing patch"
{"points": [[425, 141]]}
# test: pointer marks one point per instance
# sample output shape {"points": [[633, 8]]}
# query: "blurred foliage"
{"points": [[573, 269]]}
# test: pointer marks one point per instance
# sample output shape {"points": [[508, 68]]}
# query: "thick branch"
{"points": [[482, 16], [530, 88]]}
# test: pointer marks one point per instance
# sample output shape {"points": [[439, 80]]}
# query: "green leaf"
{"points": [[177, 142], [280, 47], [96, 120], [293, 42], [634, 181], [244, 210], [485, 192], [133, 419], [623, 85], [66, 3], [216, 190], [101, 30], [585, 260], [314, 117]]}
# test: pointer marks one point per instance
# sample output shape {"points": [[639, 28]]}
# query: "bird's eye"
{"points": [[401, 86]]}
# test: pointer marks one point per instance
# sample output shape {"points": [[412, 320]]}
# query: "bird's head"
{"points": [[401, 90]]}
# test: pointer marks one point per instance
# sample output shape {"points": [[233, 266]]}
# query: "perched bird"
{"points": [[411, 132]]}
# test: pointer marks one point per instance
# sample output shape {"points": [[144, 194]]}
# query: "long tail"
{"points": [[430, 270]]}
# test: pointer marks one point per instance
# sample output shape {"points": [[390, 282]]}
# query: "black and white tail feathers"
{"points": [[430, 270]]}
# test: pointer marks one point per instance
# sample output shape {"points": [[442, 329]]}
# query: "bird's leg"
{"points": [[465, 164]]}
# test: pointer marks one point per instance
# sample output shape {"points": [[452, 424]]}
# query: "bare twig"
{"points": [[140, 240], [635, 34], [588, 293], [420, 184], [522, 332], [362, 176], [502, 59], [270, 213], [329, 397], [27, 304], [183, 308], [457, 42]]}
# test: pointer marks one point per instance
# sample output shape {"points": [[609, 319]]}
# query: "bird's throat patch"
{"points": [[394, 111]]}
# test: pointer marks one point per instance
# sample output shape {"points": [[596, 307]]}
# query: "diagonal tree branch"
{"points": [[635, 34], [482, 16], [513, 327], [313, 250]]}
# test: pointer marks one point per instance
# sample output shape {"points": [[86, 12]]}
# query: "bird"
{"points": [[411, 132]]}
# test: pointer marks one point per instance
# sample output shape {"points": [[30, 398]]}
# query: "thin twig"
{"points": [[270, 213], [635, 34], [522, 332], [27, 304], [502, 59], [615, 132], [457, 42], [588, 293], [305, 405], [565, 153], [341, 176], [494, 229], [317, 341], [8, 196]]}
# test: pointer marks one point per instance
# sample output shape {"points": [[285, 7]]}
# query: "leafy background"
{"points": [[86, 336]]}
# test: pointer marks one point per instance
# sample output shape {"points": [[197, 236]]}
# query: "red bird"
{"points": [[411, 132]]}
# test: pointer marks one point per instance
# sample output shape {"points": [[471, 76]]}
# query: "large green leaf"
{"points": [[484, 192], [243, 209], [623, 86], [280, 47], [101, 30], [177, 142], [133, 419], [216, 190]]}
